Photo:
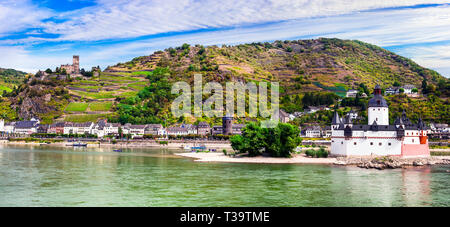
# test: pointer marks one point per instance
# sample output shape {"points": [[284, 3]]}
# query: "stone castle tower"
{"points": [[227, 125], [74, 68], [76, 64]]}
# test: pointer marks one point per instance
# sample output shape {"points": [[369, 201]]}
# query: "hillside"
{"points": [[9, 78], [304, 65], [139, 91]]}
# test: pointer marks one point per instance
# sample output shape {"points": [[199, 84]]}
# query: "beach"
{"points": [[221, 157]]}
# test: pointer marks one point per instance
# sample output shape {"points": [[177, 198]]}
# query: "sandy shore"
{"points": [[220, 157]]}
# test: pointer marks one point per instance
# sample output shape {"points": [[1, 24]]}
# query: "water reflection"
{"points": [[148, 177]]}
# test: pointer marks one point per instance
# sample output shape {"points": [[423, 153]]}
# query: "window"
{"points": [[413, 140], [371, 143], [342, 142], [380, 144], [354, 143], [389, 144]]}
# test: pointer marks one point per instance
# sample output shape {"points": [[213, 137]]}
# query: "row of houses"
{"points": [[316, 131], [103, 128], [406, 89]]}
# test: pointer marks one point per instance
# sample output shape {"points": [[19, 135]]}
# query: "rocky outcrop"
{"points": [[39, 98], [387, 162]]}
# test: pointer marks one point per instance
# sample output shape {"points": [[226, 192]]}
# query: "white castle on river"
{"points": [[378, 137]]}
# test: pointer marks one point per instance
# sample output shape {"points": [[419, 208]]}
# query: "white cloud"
{"points": [[19, 58], [17, 15], [128, 19], [237, 22]]}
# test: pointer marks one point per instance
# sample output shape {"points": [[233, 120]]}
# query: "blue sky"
{"points": [[40, 34]]}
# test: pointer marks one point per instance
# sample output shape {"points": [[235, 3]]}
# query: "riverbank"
{"points": [[218, 145], [362, 162], [220, 157]]}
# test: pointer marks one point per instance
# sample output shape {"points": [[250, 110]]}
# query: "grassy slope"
{"points": [[300, 66], [10, 78], [304, 65]]}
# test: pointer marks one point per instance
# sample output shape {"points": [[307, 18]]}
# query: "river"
{"points": [[51, 176]]}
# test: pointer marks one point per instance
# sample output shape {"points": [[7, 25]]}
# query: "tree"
{"points": [[424, 85], [49, 71], [401, 90], [278, 142], [396, 84], [251, 141], [282, 140], [364, 88], [415, 90], [120, 132]]}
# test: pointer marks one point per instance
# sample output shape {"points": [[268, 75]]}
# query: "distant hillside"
{"points": [[138, 91], [304, 65], [9, 78]]}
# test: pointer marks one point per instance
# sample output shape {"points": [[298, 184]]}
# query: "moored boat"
{"points": [[79, 144]]}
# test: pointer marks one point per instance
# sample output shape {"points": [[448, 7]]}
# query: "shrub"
{"points": [[322, 153]]}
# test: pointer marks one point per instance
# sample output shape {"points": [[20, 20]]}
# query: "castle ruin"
{"points": [[74, 68]]}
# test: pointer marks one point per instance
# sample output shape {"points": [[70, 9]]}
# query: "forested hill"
{"points": [[301, 66], [9, 78], [311, 73]]}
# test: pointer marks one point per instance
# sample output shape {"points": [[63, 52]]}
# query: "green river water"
{"points": [[48, 176]]}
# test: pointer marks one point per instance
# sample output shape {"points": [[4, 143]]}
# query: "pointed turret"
{"points": [[347, 120], [398, 122], [336, 120], [421, 124]]}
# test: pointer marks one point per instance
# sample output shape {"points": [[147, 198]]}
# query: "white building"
{"points": [[313, 132], [9, 128], [155, 129], [378, 137], [191, 129], [311, 109], [111, 129], [134, 130], [351, 93], [408, 88], [26, 127], [98, 129], [82, 128], [177, 131]]}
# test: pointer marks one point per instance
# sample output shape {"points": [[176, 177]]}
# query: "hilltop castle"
{"points": [[378, 137], [74, 68]]}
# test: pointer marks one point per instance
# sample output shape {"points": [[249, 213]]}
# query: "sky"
{"points": [[45, 34]]}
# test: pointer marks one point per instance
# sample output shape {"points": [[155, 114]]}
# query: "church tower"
{"points": [[378, 110]]}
